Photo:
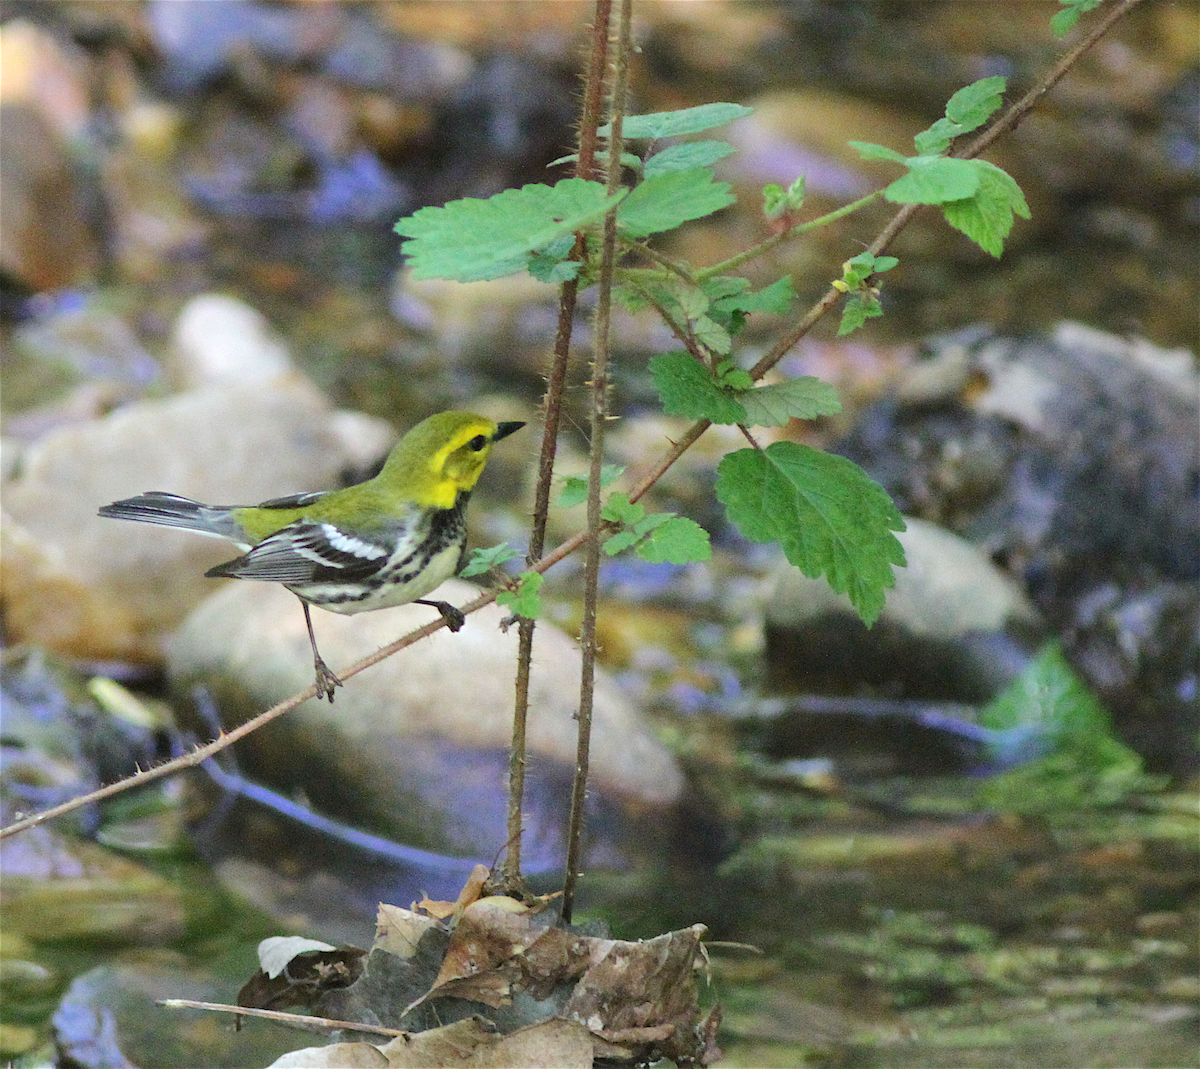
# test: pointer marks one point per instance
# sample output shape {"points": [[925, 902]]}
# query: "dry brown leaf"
{"points": [[399, 930], [440, 1048], [470, 892], [333, 1056]]}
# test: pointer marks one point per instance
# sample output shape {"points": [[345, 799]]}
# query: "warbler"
{"points": [[387, 541]]}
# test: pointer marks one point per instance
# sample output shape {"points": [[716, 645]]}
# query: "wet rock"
{"points": [[59, 890], [96, 588], [108, 1017], [416, 746], [954, 627], [1073, 460]]}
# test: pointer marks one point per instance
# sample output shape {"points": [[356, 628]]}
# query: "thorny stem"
{"points": [[600, 345], [552, 407], [1006, 122]]}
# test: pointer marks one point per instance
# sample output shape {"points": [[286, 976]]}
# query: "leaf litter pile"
{"points": [[493, 982]]}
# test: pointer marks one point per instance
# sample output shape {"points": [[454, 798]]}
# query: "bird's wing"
{"points": [[293, 501], [308, 551]]}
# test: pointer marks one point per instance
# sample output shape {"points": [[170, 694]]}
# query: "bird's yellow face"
{"points": [[443, 456]]}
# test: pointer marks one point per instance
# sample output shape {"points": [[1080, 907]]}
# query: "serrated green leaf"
{"points": [[829, 516], [935, 140], [677, 540], [987, 217], [675, 123], [666, 200], [526, 599], [689, 154], [732, 376], [620, 542], [472, 239], [870, 151], [859, 307], [800, 398], [575, 487], [484, 559], [972, 105], [934, 180], [775, 299], [720, 287], [619, 509], [712, 335], [687, 388], [552, 269]]}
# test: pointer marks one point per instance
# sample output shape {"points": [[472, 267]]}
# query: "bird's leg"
{"points": [[326, 680], [453, 617]]}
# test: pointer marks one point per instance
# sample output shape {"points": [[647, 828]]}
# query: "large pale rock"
{"points": [[954, 625], [415, 745], [101, 588]]}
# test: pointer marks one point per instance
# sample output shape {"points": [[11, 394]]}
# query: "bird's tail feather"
{"points": [[169, 510]]}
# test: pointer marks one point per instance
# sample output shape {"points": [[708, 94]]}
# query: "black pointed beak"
{"points": [[503, 430]]}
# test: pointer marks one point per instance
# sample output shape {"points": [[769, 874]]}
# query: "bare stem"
{"points": [[585, 167], [600, 345]]}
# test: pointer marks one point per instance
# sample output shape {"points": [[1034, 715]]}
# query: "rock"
{"points": [[62, 890], [954, 627], [108, 1016], [1072, 458], [220, 340], [97, 588], [415, 746]]}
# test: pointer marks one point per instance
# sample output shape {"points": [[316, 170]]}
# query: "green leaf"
{"points": [[870, 151], [934, 180], [1064, 21], [688, 388], [575, 487], [775, 299], [676, 540], [987, 217], [972, 105], [712, 335], [666, 200], [777, 201], [525, 600], [483, 560], [732, 299], [619, 509], [859, 307], [935, 140], [1048, 705], [551, 265], [689, 154], [801, 398], [674, 123], [733, 377], [472, 239], [829, 516]]}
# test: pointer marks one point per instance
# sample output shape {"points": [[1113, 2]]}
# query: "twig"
{"points": [[303, 1019], [510, 874], [600, 347]]}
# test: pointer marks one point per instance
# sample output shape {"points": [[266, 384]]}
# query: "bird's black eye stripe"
{"points": [[477, 443]]}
